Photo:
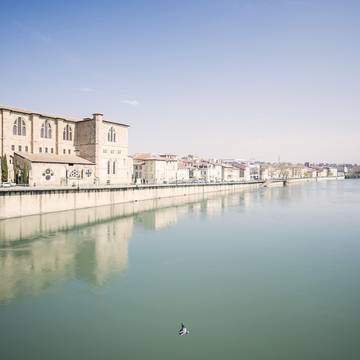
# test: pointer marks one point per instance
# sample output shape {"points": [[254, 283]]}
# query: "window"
{"points": [[111, 135], [48, 174], [64, 151], [19, 127], [46, 130], [67, 133], [52, 150], [114, 167], [26, 148], [108, 167], [69, 151], [20, 148], [40, 150], [75, 173], [12, 147], [46, 149]]}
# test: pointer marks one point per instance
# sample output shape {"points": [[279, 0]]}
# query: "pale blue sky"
{"points": [[227, 78]]}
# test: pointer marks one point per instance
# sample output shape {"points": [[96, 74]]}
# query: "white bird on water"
{"points": [[183, 331]]}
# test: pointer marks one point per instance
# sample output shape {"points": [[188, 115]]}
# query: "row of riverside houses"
{"points": [[38, 149], [168, 169]]}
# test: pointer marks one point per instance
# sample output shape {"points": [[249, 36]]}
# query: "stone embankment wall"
{"points": [[37, 225], [302, 180], [16, 202]]}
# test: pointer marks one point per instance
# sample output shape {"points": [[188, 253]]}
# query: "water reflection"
{"points": [[92, 244], [159, 219], [90, 254]]}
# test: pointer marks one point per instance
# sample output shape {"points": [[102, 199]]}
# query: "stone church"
{"points": [[42, 149]]}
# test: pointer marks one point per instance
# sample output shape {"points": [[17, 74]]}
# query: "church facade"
{"points": [[42, 149]]}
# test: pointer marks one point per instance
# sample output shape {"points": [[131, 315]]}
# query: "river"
{"points": [[262, 274]]}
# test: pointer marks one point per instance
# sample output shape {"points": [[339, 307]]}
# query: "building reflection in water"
{"points": [[89, 244], [159, 219], [90, 254]]}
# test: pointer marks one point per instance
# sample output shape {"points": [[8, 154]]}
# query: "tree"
{"points": [[4, 169], [25, 174]]}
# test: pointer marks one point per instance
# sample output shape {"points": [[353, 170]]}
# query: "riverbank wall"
{"points": [[33, 201], [154, 214], [18, 202], [304, 180]]}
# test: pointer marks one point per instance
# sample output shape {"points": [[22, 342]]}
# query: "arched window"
{"points": [[46, 130], [114, 167], [111, 135], [19, 127], [23, 128], [108, 167], [67, 133]]}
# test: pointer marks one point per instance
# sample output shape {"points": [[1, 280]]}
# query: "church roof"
{"points": [[29, 112], [51, 158]]}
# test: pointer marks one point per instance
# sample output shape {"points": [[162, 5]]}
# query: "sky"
{"points": [[224, 79]]}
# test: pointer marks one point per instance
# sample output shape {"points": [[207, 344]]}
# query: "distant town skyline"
{"points": [[226, 79]]}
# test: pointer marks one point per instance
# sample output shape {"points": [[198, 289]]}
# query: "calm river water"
{"points": [[264, 274]]}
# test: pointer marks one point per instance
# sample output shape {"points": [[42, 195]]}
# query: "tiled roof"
{"points": [[51, 158], [227, 166], [149, 156], [182, 165]]}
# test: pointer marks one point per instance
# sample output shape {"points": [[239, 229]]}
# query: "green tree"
{"points": [[4, 169], [25, 174]]}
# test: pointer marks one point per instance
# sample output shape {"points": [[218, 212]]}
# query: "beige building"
{"points": [[183, 172], [264, 173], [155, 168], [94, 144], [210, 171], [55, 169], [333, 171], [244, 171], [230, 173], [322, 172], [195, 174], [308, 172]]}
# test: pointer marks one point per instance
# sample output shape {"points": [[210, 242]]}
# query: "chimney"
{"points": [[98, 116]]}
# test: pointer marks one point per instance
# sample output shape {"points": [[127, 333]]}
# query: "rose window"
{"points": [[74, 173], [48, 174]]}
